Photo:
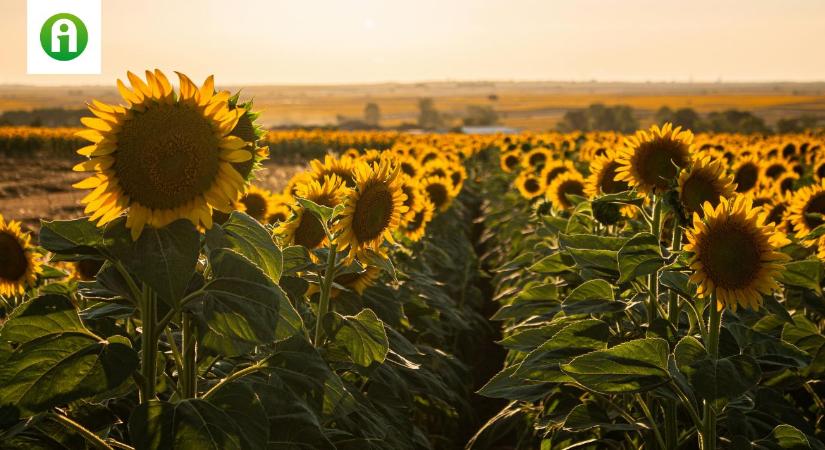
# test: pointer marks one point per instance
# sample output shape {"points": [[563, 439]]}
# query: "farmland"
{"points": [[184, 277], [526, 105]]}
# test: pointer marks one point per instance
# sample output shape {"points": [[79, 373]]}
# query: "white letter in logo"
{"points": [[64, 27]]}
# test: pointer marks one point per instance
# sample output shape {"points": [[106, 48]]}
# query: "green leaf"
{"points": [[542, 364], [724, 379], [789, 437], [56, 369], [364, 337], [590, 415], [244, 406], [249, 238], [324, 213], [190, 424], [296, 259], [372, 258], [593, 296], [640, 256], [71, 237], [805, 274], [42, 316], [163, 258], [635, 366], [551, 264], [688, 351], [538, 292], [239, 315], [503, 385]]}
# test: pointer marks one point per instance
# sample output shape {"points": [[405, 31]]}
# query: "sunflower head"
{"points": [[555, 168], [705, 181], [416, 227], [773, 168], [786, 182], [602, 179], [530, 185], [341, 167], [439, 192], [409, 166], [733, 253], [164, 156], [807, 207], [373, 210], [536, 159], [248, 130], [570, 183], [415, 195], [509, 161], [256, 202], [746, 173], [304, 228], [18, 265], [651, 160], [280, 208]]}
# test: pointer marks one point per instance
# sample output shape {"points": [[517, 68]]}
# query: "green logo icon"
{"points": [[64, 37]]}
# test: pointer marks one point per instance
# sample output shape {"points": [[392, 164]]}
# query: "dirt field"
{"points": [[40, 186]]}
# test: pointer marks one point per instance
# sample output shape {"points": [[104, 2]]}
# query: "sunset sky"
{"points": [[345, 41]]}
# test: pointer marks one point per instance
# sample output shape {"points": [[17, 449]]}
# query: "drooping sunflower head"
{"points": [[256, 202], [341, 167], [807, 207], [530, 185], [19, 266], [651, 160], [509, 160], [733, 253], [746, 171], [439, 192], [357, 281], [164, 156], [373, 210], [304, 228], [705, 181], [602, 179], [570, 183], [417, 226]]}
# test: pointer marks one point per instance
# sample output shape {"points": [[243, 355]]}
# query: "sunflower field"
{"points": [[658, 290]]}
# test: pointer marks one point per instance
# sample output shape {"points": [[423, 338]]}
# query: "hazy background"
{"points": [[367, 41]]}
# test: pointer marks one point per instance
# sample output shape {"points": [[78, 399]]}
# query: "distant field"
{"points": [[527, 105]]}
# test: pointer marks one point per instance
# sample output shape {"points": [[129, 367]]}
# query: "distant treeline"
{"points": [[47, 117], [622, 118]]}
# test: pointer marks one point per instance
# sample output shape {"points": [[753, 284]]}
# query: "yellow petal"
{"points": [[96, 124], [128, 95]]}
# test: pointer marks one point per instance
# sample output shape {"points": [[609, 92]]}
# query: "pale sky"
{"points": [[355, 41]]}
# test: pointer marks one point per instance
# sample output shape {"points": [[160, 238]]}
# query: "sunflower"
{"points": [[351, 153], [785, 183], [530, 186], [819, 169], [807, 205], [733, 253], [409, 166], [509, 160], [355, 281], [437, 168], [746, 173], [555, 168], [280, 208], [249, 131], [651, 160], [775, 167], [163, 157], [86, 269], [417, 226], [373, 209], [342, 167], [439, 192], [427, 154], [304, 228], [296, 182], [415, 195], [536, 159], [256, 202], [704, 181], [568, 183], [457, 177], [602, 179], [18, 265]]}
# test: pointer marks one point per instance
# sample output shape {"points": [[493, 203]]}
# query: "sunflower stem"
{"points": [[709, 419], [653, 279], [326, 287], [189, 372], [90, 436], [672, 406], [673, 303], [149, 342]]}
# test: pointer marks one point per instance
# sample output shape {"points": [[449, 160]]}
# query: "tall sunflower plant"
{"points": [[663, 310]]}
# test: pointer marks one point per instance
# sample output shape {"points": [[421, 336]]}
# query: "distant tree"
{"points": [[428, 116], [664, 114], [492, 97], [598, 117], [797, 124], [686, 118], [573, 121], [372, 114], [480, 116], [735, 121]]}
